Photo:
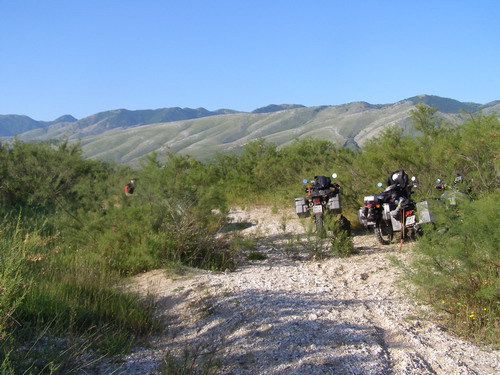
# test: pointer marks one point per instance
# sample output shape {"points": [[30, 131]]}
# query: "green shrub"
{"points": [[340, 239], [48, 177], [457, 270], [314, 243]]}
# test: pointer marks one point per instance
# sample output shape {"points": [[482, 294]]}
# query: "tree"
{"points": [[425, 121]]}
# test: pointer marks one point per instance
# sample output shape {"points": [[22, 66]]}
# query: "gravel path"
{"points": [[287, 314]]}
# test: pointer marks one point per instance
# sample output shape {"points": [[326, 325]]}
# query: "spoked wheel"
{"points": [[383, 232]]}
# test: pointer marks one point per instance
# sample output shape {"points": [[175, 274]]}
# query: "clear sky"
{"points": [[81, 57]]}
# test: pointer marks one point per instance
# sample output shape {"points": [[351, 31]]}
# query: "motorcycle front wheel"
{"points": [[383, 232]]}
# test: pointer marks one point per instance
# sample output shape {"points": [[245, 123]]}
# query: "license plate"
{"points": [[410, 220], [369, 198], [317, 209]]}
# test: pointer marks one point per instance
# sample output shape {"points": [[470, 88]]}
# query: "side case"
{"points": [[301, 208], [424, 214], [333, 205], [386, 215]]}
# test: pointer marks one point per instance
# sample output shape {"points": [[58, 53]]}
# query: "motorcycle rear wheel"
{"points": [[415, 233], [383, 232], [319, 222]]}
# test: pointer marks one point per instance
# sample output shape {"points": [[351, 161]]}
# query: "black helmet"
{"points": [[399, 178]]}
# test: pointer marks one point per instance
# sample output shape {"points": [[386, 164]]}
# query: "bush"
{"points": [[457, 270], [340, 238], [48, 177]]}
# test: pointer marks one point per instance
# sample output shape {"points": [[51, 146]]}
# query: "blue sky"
{"points": [[82, 57]]}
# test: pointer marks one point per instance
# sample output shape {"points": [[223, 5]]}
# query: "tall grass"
{"points": [[56, 302], [14, 282]]}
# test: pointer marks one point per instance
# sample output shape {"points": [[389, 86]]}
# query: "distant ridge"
{"points": [[15, 124], [277, 107], [125, 136], [445, 105], [69, 127], [64, 118]]}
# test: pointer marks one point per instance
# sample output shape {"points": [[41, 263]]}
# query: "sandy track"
{"points": [[291, 315]]}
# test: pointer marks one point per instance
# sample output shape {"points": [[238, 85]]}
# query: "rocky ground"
{"points": [[288, 314]]}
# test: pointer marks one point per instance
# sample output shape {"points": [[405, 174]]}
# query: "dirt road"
{"points": [[287, 314]]}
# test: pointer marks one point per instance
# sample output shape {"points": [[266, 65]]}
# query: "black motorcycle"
{"points": [[323, 198], [394, 210]]}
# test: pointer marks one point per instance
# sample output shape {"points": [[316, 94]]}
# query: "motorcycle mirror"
{"points": [[413, 178], [379, 184], [334, 175], [305, 181]]}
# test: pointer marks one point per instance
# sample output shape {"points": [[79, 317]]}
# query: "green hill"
{"points": [[114, 119], [126, 136]]}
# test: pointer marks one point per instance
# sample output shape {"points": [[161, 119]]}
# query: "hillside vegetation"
{"points": [[70, 235], [351, 125], [126, 136]]}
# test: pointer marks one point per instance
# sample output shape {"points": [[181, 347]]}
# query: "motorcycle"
{"points": [[451, 193], [450, 201], [323, 197], [393, 210]]}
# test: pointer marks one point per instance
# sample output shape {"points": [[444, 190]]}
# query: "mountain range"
{"points": [[125, 136]]}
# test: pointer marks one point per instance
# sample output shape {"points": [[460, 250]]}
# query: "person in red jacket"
{"points": [[130, 187]]}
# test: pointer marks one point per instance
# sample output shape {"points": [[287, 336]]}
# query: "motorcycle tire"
{"points": [[319, 222], [383, 232], [416, 233]]}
